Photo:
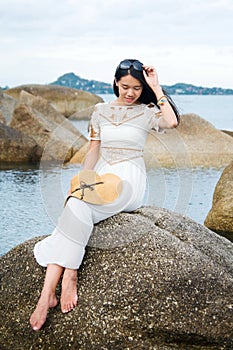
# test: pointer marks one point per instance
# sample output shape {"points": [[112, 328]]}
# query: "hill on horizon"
{"points": [[76, 82], [98, 87]]}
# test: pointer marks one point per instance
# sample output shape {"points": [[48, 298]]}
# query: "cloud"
{"points": [[40, 40]]}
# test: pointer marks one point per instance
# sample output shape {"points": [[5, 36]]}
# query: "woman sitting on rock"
{"points": [[118, 131]]}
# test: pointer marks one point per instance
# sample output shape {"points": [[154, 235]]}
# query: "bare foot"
{"points": [[39, 316], [69, 295]]}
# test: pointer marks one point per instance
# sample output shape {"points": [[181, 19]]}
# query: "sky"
{"points": [[187, 41]]}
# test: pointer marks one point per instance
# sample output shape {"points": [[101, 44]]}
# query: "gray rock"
{"points": [[17, 147], [57, 142], [220, 216], [151, 279], [66, 100], [48, 111], [195, 142]]}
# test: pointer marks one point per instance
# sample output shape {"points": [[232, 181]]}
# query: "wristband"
{"points": [[162, 100]]}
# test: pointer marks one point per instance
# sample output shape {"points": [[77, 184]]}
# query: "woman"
{"points": [[118, 132]]}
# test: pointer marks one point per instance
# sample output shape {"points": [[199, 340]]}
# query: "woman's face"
{"points": [[130, 90]]}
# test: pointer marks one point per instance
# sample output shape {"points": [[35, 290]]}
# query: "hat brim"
{"points": [[90, 187]]}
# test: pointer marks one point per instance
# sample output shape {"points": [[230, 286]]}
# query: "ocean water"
{"points": [[30, 206], [32, 198], [218, 110]]}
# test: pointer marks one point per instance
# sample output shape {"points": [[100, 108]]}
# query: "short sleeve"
{"points": [[154, 117], [94, 127]]}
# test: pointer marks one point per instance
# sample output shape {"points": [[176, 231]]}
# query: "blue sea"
{"points": [[218, 110], [30, 206]]}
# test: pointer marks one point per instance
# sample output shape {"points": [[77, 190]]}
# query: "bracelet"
{"points": [[162, 100]]}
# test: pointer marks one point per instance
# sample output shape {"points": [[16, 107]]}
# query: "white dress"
{"points": [[123, 131]]}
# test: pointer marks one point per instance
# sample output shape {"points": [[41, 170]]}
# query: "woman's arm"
{"points": [[168, 119], [92, 155]]}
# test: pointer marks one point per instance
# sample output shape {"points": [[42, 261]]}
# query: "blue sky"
{"points": [[187, 41]]}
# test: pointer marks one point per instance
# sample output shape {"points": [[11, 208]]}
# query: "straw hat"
{"points": [[96, 189]]}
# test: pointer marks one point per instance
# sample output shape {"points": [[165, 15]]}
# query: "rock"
{"points": [[66, 100], [79, 156], [48, 111], [195, 142], [151, 279], [228, 132], [16, 147], [7, 106], [220, 217], [57, 142]]}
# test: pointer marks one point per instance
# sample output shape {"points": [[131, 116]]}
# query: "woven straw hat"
{"points": [[90, 187]]}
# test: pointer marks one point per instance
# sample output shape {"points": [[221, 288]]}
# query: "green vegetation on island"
{"points": [[98, 87], [189, 89], [73, 81]]}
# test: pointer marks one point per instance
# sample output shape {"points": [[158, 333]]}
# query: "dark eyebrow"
{"points": [[128, 85]]}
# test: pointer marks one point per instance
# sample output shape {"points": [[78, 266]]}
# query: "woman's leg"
{"points": [[69, 294], [48, 297]]}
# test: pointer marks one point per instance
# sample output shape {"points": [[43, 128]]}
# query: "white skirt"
{"points": [[66, 245]]}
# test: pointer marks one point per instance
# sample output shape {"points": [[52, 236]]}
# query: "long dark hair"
{"points": [[147, 96]]}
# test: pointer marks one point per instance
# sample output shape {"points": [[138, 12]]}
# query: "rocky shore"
{"points": [[33, 123], [151, 279], [40, 112]]}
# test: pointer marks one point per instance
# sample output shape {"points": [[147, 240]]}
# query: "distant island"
{"points": [[74, 81], [98, 87]]}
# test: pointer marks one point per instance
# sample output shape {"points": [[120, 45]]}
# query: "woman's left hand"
{"points": [[150, 76]]}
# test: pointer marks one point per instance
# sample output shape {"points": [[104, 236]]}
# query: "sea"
{"points": [[32, 196]]}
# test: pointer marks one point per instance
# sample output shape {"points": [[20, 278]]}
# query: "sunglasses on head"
{"points": [[126, 64]]}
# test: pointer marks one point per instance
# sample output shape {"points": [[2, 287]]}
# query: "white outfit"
{"points": [[123, 131]]}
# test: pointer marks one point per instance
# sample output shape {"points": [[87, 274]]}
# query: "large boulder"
{"points": [[151, 279], [48, 111], [57, 142], [17, 147], [220, 216], [195, 142], [66, 100]]}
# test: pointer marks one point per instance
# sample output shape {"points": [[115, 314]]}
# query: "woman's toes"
{"points": [[69, 307]]}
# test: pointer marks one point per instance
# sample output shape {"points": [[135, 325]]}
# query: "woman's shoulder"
{"points": [[98, 105], [101, 106]]}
